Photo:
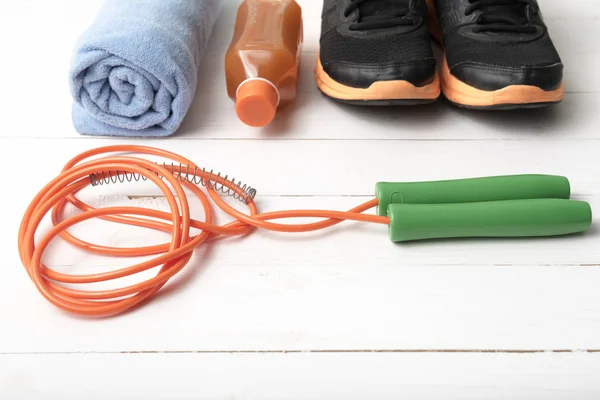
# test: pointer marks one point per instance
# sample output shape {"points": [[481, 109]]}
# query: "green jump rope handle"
{"points": [[511, 218], [512, 187]]}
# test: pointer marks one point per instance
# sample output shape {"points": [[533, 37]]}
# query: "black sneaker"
{"points": [[498, 54], [376, 52]]}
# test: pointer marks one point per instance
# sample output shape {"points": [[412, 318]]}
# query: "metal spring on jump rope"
{"points": [[184, 172]]}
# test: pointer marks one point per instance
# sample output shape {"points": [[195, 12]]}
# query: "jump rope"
{"points": [[502, 206]]}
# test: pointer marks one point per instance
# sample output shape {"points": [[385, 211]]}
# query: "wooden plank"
{"points": [[368, 295], [351, 290], [348, 244], [331, 181], [326, 167], [303, 307], [301, 376], [312, 116]]}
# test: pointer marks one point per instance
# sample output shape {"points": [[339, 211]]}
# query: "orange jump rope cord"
{"points": [[170, 257]]}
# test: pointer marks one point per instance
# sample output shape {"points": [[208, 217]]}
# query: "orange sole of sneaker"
{"points": [[383, 92], [462, 94]]}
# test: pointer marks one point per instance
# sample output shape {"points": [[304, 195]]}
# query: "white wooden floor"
{"points": [[342, 314]]}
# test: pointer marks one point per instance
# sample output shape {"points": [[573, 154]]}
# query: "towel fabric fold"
{"points": [[134, 71]]}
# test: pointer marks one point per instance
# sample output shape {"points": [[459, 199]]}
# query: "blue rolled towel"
{"points": [[134, 71]]}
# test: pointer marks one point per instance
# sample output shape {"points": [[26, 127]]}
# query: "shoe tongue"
{"points": [[382, 8]]}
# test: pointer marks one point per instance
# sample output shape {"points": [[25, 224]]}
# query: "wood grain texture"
{"points": [[212, 115], [346, 245], [338, 314], [349, 289], [346, 289], [329, 167], [301, 376], [307, 307]]}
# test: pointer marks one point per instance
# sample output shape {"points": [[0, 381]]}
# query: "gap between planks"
{"points": [[359, 351], [174, 138]]}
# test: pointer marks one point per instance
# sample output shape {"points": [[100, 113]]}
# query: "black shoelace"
{"points": [[502, 15], [373, 18]]}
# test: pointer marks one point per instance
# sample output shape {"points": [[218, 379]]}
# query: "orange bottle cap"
{"points": [[257, 101]]}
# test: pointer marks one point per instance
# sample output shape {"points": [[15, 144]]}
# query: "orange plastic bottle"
{"points": [[262, 62]]}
